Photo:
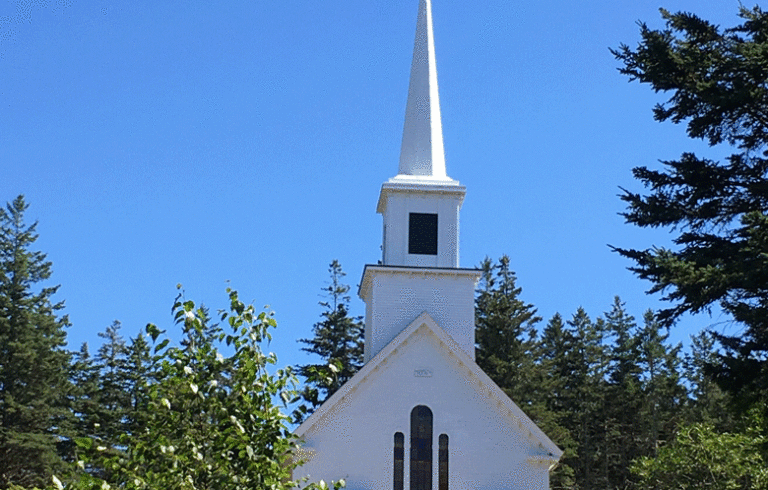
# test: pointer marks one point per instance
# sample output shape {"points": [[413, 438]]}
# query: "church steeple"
{"points": [[421, 204], [422, 151]]}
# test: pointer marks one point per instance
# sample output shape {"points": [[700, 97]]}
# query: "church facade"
{"points": [[420, 414]]}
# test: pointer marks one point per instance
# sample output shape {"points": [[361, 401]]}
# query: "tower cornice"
{"points": [[418, 186]]}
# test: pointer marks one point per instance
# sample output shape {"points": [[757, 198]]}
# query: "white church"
{"points": [[421, 414]]}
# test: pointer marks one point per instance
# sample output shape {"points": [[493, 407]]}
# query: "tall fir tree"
{"points": [[140, 375], [505, 335], [717, 83], [84, 399], [34, 365], [664, 393], [708, 403], [338, 340], [623, 396], [558, 361], [587, 385], [115, 390]]}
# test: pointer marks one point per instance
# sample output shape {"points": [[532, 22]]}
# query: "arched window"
{"points": [[421, 448], [442, 459], [399, 460]]}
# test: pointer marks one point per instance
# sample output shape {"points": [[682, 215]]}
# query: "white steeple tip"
{"points": [[422, 156]]}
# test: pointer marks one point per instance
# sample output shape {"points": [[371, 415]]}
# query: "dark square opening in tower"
{"points": [[422, 233]]}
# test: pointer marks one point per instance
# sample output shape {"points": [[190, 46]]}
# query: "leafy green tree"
{"points": [[34, 365], [717, 81], [210, 419], [338, 340], [701, 457]]}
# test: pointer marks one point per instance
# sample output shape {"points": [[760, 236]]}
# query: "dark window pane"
{"points": [[442, 459], [399, 463], [422, 234], [421, 448]]}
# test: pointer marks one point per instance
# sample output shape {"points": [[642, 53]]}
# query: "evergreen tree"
{"points": [[558, 361], [114, 388], [709, 404], [505, 336], [587, 385], [338, 341], [664, 394], [718, 85], [84, 400], [34, 366], [623, 396], [140, 375], [105, 398]]}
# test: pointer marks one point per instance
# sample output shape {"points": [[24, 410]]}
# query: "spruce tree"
{"points": [[558, 360], [623, 395], [34, 366], [587, 384], [139, 376], [716, 81], [85, 402], [708, 403], [663, 392], [505, 335], [338, 341]]}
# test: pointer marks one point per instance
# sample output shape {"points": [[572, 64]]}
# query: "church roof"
{"points": [[480, 382]]}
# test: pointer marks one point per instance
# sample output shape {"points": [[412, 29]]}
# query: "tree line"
{"points": [[630, 409]]}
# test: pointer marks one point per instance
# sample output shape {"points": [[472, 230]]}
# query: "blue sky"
{"points": [[244, 143]]}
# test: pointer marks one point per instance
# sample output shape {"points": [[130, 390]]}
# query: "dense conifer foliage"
{"points": [[338, 341], [717, 82], [607, 390], [505, 332], [34, 365]]}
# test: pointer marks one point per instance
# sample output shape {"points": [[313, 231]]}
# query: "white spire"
{"points": [[422, 153]]}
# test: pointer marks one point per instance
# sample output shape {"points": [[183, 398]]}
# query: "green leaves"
{"points": [[209, 419], [700, 457]]}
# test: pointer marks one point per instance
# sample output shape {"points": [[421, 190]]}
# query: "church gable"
{"points": [[486, 435]]}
